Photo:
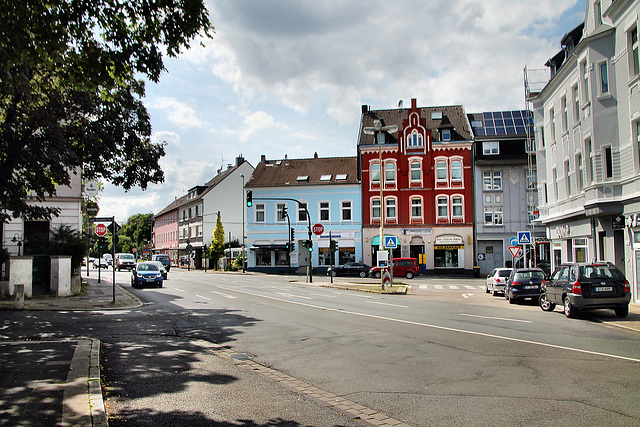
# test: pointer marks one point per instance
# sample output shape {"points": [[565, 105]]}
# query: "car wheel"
{"points": [[569, 309], [622, 310], [363, 274], [409, 275], [545, 304], [376, 274]]}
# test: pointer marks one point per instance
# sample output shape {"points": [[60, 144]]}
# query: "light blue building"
{"points": [[289, 198]]}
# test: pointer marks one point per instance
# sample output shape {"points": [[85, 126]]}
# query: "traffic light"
{"points": [[333, 245], [293, 247], [101, 243], [293, 235], [309, 245], [284, 212], [249, 198]]}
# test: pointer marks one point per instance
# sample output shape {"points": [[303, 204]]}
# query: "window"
{"points": [[584, 69], [446, 134], [280, 212], [456, 206], [493, 215], [565, 114], [436, 115], [597, 13], [416, 172], [637, 138], [576, 104], [415, 139], [632, 50], [375, 173], [302, 212], [324, 211], [390, 173], [588, 149], [488, 215], [443, 208], [580, 170], [441, 170], [608, 162], [456, 170], [346, 210], [341, 177], [416, 208], [554, 174], [552, 118], [567, 177], [604, 78], [259, 212], [390, 208], [492, 181], [375, 209], [325, 178], [490, 148]]}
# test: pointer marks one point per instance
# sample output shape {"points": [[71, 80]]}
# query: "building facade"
{"points": [[505, 190], [587, 125], [417, 185], [292, 196]]}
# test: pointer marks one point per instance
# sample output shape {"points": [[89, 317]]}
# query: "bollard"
{"points": [[18, 296]]}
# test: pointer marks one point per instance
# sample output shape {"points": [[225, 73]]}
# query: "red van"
{"points": [[407, 267]]}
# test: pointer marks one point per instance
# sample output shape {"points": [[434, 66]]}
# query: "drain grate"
{"points": [[240, 356]]}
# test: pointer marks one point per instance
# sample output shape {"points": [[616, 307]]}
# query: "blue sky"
{"points": [[289, 77]]}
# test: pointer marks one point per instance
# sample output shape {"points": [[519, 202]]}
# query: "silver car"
{"points": [[497, 280]]}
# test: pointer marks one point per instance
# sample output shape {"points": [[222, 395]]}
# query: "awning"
{"points": [[268, 247]]}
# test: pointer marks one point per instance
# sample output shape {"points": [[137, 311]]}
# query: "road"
{"points": [[442, 356]]}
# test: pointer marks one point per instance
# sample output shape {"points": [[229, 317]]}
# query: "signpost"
{"points": [[524, 239], [515, 251], [101, 230], [390, 242], [91, 208]]}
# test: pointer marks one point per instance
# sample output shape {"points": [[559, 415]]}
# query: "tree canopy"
{"points": [[71, 92]]}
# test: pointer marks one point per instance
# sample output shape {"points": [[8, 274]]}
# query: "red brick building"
{"points": [[427, 187]]}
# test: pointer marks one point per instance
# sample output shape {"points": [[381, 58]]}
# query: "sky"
{"points": [[289, 77]]}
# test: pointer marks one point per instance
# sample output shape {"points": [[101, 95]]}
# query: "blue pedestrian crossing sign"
{"points": [[390, 242], [524, 237]]}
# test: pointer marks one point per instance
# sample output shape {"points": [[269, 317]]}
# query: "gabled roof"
{"points": [[173, 205], [453, 117], [305, 172]]}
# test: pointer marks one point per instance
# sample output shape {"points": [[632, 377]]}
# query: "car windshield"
{"points": [[530, 275], [126, 256], [148, 267], [600, 272]]}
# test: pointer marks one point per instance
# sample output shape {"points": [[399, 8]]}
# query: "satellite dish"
{"points": [[400, 104]]}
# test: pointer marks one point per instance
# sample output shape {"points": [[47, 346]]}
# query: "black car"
{"points": [[582, 286], [350, 269], [164, 259], [523, 283]]}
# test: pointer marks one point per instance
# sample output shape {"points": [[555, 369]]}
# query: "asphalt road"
{"points": [[441, 356]]}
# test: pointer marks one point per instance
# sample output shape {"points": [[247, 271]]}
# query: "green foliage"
{"points": [[67, 241], [137, 230], [70, 98], [217, 242]]}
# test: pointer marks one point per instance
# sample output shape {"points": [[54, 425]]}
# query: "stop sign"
{"points": [[318, 229], [101, 230]]}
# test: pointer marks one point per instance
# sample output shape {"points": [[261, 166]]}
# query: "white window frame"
{"points": [[603, 78], [389, 171], [632, 52], [442, 202], [418, 205], [460, 205], [260, 208], [584, 78], [346, 206], [567, 177], [490, 148], [375, 205], [575, 93], [375, 167], [326, 209], [451, 162], [391, 203], [442, 165], [302, 213], [492, 180], [565, 113], [415, 139], [412, 169], [278, 216]]}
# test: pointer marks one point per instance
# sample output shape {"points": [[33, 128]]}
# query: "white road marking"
{"points": [[200, 296], [224, 295], [284, 294], [384, 303], [470, 287], [323, 295], [453, 287], [424, 287], [438, 286], [496, 318], [466, 295], [179, 290], [442, 328]]}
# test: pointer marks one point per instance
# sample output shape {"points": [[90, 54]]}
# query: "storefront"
{"points": [[448, 252], [571, 242], [268, 257], [632, 272]]}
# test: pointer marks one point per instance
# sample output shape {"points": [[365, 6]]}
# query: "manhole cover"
{"points": [[240, 356]]}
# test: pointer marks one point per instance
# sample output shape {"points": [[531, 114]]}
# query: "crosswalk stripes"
{"points": [[451, 287]]}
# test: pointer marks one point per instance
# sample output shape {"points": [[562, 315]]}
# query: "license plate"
{"points": [[604, 289], [531, 287]]}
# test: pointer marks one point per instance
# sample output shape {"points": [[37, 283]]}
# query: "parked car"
{"points": [[544, 266], [523, 283], [350, 269], [497, 280], [108, 258], [125, 262], [407, 267], [161, 267], [164, 259], [146, 273], [99, 263], [582, 286]]}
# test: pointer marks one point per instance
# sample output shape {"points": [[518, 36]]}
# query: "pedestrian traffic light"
{"points": [[249, 198]]}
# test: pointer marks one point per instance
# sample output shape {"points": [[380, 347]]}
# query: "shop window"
{"points": [[282, 257], [580, 248], [263, 258], [346, 255], [324, 256]]}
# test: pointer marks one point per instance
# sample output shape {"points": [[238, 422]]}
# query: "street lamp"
{"points": [[377, 130], [243, 209], [17, 239]]}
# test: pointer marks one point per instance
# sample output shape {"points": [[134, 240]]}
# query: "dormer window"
{"points": [[302, 178], [325, 178], [446, 134]]}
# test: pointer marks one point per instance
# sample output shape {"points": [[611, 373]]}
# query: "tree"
{"points": [[70, 98], [217, 242], [137, 229]]}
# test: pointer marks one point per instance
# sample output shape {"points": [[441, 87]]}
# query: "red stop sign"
{"points": [[318, 229], [101, 230]]}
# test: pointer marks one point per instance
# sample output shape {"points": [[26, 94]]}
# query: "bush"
{"points": [[67, 241]]}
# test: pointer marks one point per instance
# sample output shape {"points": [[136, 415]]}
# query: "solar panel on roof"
{"points": [[487, 116], [520, 130], [511, 130], [480, 132], [489, 124]]}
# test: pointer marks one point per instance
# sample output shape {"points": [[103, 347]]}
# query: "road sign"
{"points": [[318, 229], [101, 230], [91, 189], [390, 242], [480, 257], [513, 241], [515, 251], [91, 208], [524, 237]]}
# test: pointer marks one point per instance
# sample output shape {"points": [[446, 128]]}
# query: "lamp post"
{"points": [[377, 130], [17, 239], [243, 209]]}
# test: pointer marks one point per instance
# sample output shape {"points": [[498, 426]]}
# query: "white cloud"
{"points": [[179, 113]]}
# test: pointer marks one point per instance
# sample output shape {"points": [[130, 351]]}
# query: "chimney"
{"points": [[414, 103], [239, 160], [263, 158], [315, 155], [365, 109]]}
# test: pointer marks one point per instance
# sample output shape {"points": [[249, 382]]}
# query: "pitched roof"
{"points": [[453, 117], [173, 205], [305, 172]]}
